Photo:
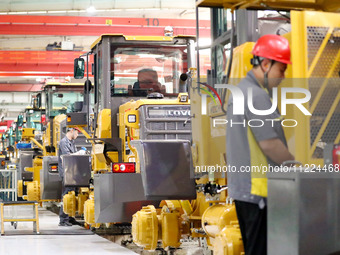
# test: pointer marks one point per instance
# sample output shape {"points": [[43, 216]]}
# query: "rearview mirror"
{"points": [[39, 100], [79, 68]]}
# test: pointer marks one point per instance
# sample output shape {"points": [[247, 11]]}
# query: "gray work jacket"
{"points": [[66, 146], [243, 151]]}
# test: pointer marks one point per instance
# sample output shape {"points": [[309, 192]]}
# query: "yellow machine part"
{"points": [[132, 107], [98, 158], [89, 210], [112, 155], [70, 203], [99, 161], [171, 204], [171, 233], [139, 38], [27, 133], [186, 206], [312, 61], [29, 169], [176, 208], [98, 164], [145, 228], [33, 187], [229, 242], [20, 188], [241, 62], [36, 143], [104, 124], [216, 217], [37, 166], [81, 198], [324, 5], [199, 205], [57, 132], [135, 115], [33, 191], [150, 225]]}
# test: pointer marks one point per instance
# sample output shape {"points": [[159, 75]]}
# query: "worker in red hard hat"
{"points": [[271, 56], [253, 142]]}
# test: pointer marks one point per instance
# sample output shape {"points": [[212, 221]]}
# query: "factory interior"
{"points": [[151, 127]]}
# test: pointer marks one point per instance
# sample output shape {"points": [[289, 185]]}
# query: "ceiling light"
{"points": [[36, 12], [56, 11], [91, 8], [75, 11], [18, 12]]}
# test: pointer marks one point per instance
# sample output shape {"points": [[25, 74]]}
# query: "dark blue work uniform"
{"points": [[66, 146]]}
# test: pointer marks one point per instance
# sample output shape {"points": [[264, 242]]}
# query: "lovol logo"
{"points": [[178, 113], [238, 100]]}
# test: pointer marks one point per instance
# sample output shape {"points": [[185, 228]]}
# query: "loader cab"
{"points": [[33, 113], [117, 63], [10, 138], [137, 116], [18, 127], [33, 118], [60, 97], [2, 141], [118, 60]]}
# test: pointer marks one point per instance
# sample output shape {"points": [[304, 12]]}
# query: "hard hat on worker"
{"points": [[73, 128], [273, 47]]}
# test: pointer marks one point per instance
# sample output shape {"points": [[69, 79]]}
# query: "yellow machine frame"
{"points": [[301, 140]]}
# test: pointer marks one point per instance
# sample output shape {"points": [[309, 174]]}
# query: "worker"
{"points": [[66, 146], [147, 81], [250, 145]]}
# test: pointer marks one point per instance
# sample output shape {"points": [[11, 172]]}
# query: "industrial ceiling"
{"points": [[29, 27]]}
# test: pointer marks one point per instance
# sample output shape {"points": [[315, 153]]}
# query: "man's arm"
{"points": [[64, 148], [275, 150]]}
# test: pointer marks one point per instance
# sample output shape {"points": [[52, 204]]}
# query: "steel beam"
{"points": [[95, 26], [38, 63], [18, 87]]}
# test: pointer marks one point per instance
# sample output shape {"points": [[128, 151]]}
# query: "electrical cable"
{"points": [[208, 92], [213, 90]]}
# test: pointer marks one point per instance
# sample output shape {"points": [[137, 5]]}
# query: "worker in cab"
{"points": [[253, 149], [147, 83]]}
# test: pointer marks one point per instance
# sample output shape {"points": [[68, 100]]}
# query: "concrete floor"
{"points": [[52, 238]]}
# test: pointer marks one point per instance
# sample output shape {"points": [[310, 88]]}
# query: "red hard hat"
{"points": [[273, 47], [75, 128]]}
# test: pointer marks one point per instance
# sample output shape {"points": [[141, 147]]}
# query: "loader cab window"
{"points": [[61, 102], [33, 118], [140, 71], [99, 77], [64, 101]]}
